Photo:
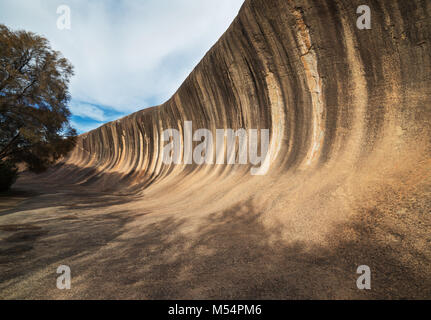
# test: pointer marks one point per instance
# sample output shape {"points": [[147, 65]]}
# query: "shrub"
{"points": [[8, 175]]}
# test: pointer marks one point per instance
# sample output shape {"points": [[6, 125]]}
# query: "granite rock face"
{"points": [[327, 91], [349, 114]]}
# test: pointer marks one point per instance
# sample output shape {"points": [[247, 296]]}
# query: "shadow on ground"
{"points": [[231, 256]]}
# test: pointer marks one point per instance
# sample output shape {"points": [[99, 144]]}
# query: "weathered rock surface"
{"points": [[349, 184]]}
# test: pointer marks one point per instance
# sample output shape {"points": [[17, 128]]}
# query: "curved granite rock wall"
{"points": [[327, 91]]}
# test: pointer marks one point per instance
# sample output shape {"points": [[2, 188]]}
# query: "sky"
{"points": [[127, 55]]}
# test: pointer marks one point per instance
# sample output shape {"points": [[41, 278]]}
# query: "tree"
{"points": [[34, 97]]}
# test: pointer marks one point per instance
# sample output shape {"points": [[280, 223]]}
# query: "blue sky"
{"points": [[128, 55]]}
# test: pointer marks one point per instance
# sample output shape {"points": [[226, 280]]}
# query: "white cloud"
{"points": [[85, 110], [127, 55]]}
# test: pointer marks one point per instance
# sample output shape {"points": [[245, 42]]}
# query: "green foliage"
{"points": [[8, 175], [34, 97]]}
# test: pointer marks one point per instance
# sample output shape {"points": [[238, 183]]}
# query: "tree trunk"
{"points": [[4, 152]]}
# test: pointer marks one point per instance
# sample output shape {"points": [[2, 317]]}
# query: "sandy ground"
{"points": [[246, 243]]}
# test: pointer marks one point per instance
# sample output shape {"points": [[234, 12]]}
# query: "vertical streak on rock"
{"points": [[359, 91], [314, 83], [277, 122]]}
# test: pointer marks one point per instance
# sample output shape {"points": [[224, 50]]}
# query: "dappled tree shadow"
{"points": [[229, 257]]}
